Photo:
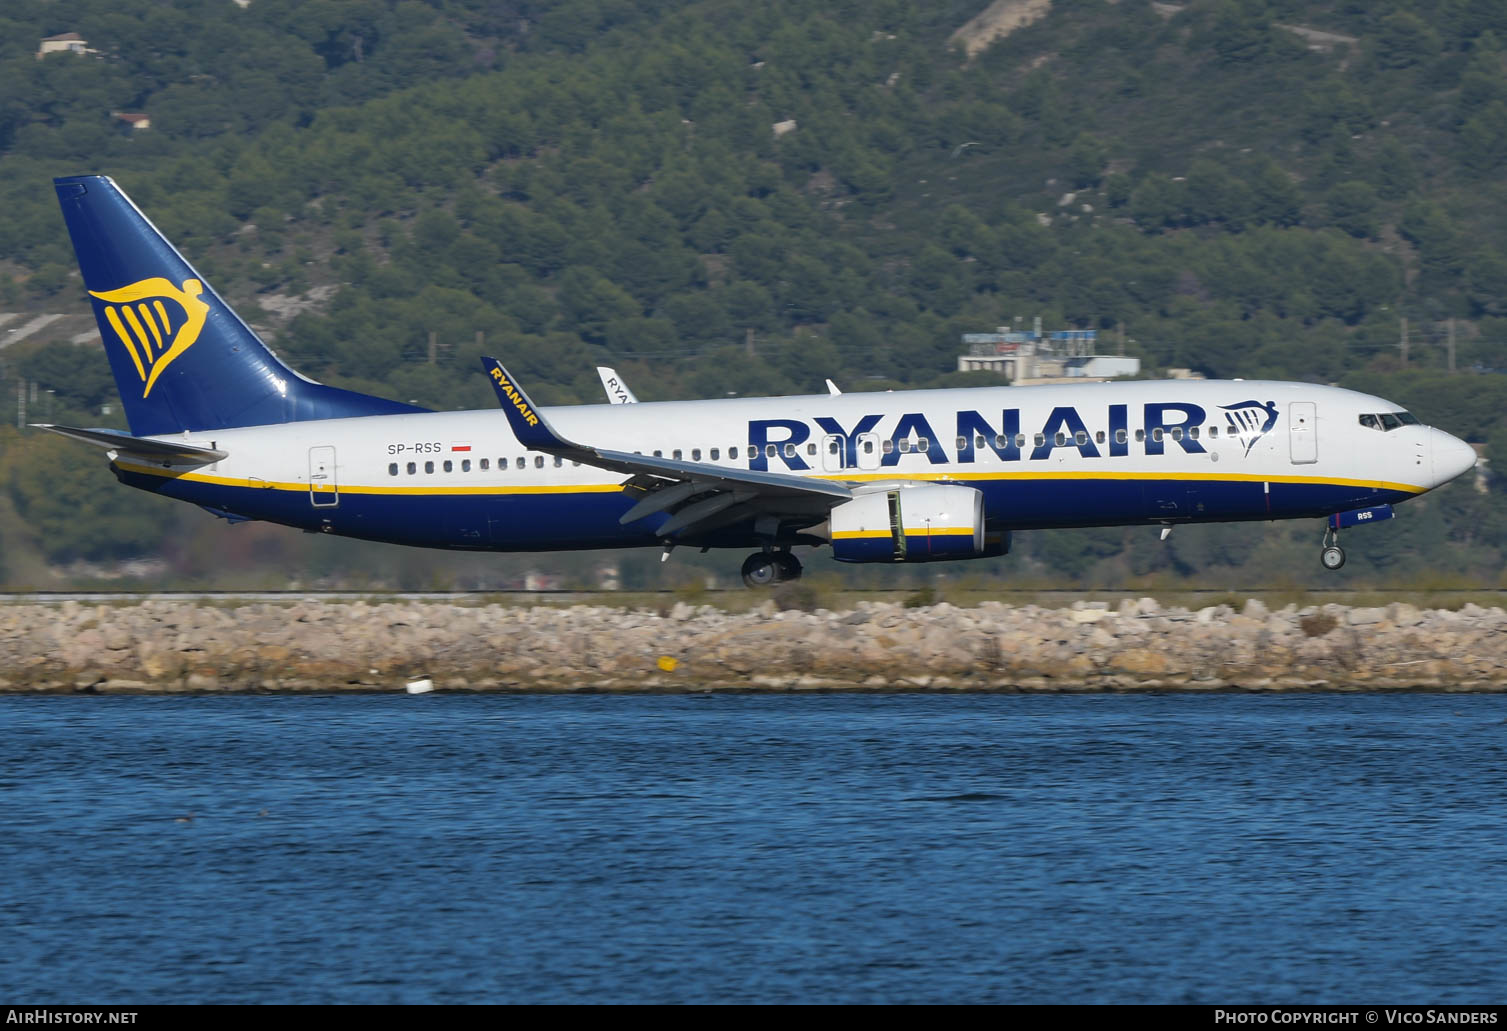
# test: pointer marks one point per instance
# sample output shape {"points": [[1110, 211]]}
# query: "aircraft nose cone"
{"points": [[1451, 456]]}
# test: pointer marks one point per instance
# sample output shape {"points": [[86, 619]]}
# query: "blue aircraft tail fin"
{"points": [[182, 359]]}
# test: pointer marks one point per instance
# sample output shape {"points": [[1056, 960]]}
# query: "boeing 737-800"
{"points": [[216, 419]]}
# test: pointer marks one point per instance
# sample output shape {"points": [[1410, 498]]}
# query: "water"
{"points": [[915, 848]]}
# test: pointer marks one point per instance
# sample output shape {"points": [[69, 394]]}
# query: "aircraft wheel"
{"points": [[1332, 557], [760, 570], [789, 566]]}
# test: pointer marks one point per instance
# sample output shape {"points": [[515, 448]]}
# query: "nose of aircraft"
{"points": [[1451, 456]]}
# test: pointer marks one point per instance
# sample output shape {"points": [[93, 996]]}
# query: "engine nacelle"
{"points": [[912, 524]]}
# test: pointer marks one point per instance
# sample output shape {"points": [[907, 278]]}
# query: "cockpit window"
{"points": [[1388, 420]]}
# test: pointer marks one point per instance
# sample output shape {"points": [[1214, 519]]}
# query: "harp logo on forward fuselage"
{"points": [[1249, 421], [155, 321]]}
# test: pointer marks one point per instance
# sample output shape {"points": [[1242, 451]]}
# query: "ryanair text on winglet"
{"points": [[515, 397]]}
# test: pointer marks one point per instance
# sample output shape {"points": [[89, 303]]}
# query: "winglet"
{"points": [[832, 389], [617, 391], [523, 415]]}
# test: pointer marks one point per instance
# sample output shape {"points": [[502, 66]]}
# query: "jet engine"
{"points": [[924, 523]]}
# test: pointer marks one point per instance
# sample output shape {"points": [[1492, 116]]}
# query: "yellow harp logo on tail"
{"points": [[153, 332]]}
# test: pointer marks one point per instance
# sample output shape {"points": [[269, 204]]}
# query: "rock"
{"points": [[1255, 609], [1404, 614], [1087, 615]]}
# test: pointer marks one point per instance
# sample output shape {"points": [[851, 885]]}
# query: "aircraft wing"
{"points": [[141, 447], [703, 496]]}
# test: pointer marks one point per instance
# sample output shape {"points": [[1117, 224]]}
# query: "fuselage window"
{"points": [[770, 450], [392, 469], [484, 465], [868, 447], [449, 467], [1140, 435], [559, 461], [1099, 437], [962, 442], [1177, 433], [1119, 436], [1060, 439], [1157, 434], [695, 454], [834, 447], [732, 452], [412, 468], [1020, 440], [810, 449], [465, 465], [538, 461], [675, 454], [904, 447], [429, 467], [789, 450], [1213, 432], [1040, 440], [715, 453], [659, 454], [1193, 432], [1080, 438], [519, 462], [889, 447], [1000, 441], [923, 444]]}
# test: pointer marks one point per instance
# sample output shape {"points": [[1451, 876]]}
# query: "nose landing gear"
{"points": [[1333, 556]]}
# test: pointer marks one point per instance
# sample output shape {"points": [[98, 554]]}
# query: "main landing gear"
{"points": [[1333, 556], [766, 568]]}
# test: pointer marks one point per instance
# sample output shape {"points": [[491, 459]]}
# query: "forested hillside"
{"points": [[719, 197]]}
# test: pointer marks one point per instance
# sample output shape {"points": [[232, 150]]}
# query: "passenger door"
{"points": [[1303, 432], [323, 491]]}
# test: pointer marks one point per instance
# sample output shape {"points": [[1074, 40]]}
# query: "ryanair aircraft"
{"points": [[217, 420]]}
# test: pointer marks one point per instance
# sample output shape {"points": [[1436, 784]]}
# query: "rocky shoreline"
{"points": [[321, 646]]}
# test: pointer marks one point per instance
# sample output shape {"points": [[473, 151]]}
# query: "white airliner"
{"points": [[217, 420]]}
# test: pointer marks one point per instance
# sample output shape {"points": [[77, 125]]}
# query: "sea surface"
{"points": [[1284, 848]]}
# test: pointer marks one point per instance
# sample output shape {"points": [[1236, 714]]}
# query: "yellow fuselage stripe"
{"points": [[959, 477]]}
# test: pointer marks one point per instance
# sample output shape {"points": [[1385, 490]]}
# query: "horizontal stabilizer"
{"points": [[144, 447]]}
